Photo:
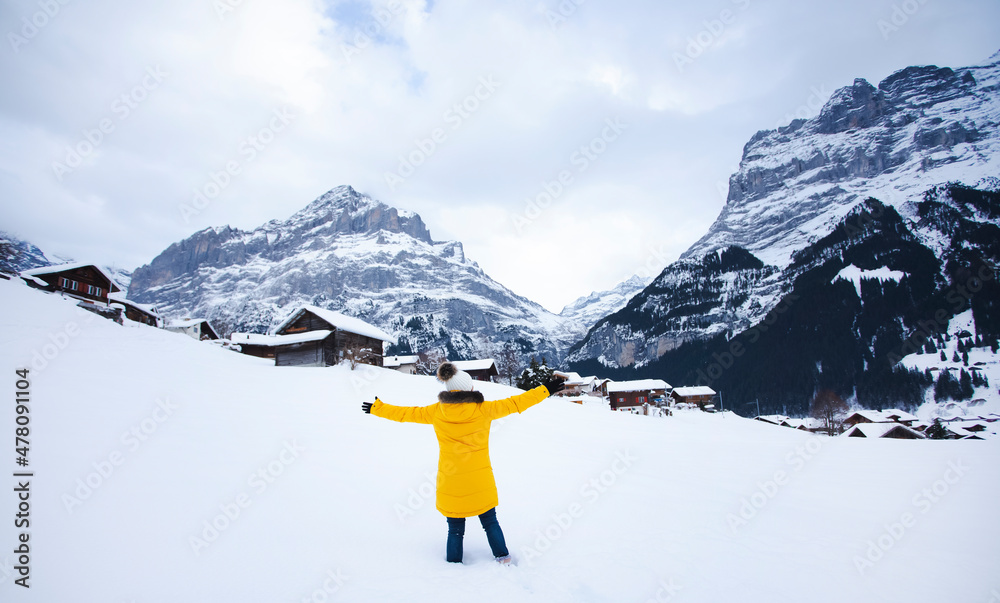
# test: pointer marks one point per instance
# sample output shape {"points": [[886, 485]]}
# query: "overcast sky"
{"points": [[568, 145]]}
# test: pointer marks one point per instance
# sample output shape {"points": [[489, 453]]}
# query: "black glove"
{"points": [[555, 384], [367, 407]]}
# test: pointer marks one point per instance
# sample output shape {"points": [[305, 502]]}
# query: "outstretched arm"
{"points": [[403, 414], [501, 408]]}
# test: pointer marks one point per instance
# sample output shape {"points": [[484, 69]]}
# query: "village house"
{"points": [[891, 415], [780, 420], [85, 282], [142, 313], [480, 370], [700, 396], [403, 364], [195, 328], [314, 336], [883, 430], [577, 385], [626, 395]]}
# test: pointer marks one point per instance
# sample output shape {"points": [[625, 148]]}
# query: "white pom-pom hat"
{"points": [[454, 379]]}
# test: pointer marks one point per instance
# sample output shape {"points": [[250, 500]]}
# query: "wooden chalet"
{"points": [[700, 396], [195, 328], [141, 313], [865, 416], [577, 385], [86, 282], [325, 338], [480, 370], [625, 395], [891, 415]]}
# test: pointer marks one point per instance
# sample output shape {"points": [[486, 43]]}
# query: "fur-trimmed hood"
{"points": [[460, 397]]}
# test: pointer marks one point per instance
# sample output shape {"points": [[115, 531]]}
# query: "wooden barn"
{"points": [[345, 338], [82, 281], [196, 328], [310, 348], [480, 370], [624, 395]]}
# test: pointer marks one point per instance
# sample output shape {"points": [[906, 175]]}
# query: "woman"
{"points": [[465, 483]]}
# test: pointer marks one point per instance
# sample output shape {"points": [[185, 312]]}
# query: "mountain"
{"points": [[922, 127], [17, 255], [588, 309], [860, 212], [348, 252]]}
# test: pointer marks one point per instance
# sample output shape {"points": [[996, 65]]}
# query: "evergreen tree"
{"points": [[943, 387], [529, 377], [956, 358], [937, 431], [965, 358], [943, 357], [536, 374], [966, 391]]}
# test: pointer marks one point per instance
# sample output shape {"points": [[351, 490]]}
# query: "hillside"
{"points": [[172, 470]]}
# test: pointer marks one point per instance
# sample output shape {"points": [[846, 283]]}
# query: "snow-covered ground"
{"points": [[170, 470]]}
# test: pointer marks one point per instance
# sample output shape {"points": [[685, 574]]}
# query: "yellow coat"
{"points": [[465, 483]]}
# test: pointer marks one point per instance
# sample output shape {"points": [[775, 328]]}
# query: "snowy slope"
{"points": [[326, 503]]}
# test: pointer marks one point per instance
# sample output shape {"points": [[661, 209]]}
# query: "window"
{"points": [[65, 283], [92, 290]]}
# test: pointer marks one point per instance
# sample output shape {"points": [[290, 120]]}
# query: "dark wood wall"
{"points": [[83, 276]]}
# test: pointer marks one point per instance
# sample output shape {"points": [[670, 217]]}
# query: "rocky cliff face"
{"points": [[17, 255], [921, 127]]}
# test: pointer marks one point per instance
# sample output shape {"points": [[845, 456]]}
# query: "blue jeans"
{"points": [[456, 533]]}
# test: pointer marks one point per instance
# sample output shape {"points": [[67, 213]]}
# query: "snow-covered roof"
{"points": [[898, 415], [119, 297], [573, 379], [71, 266], [773, 419], [185, 323], [699, 390], [474, 365], [341, 321], [872, 415], [637, 385], [879, 430], [570, 376], [806, 423], [276, 340], [395, 361]]}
